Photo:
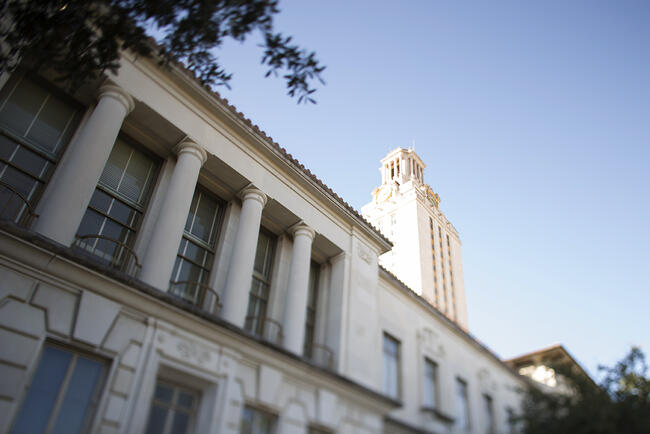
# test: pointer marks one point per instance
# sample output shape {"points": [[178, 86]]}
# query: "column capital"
{"points": [[252, 193], [301, 229], [118, 94], [189, 146]]}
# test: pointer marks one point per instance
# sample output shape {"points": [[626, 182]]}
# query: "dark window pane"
{"points": [[78, 397], [22, 106], [7, 147], [185, 400], [181, 423], [164, 393], [157, 417], [30, 162], [51, 123], [43, 392], [101, 201], [122, 213]]}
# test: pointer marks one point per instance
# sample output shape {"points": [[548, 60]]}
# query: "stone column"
{"points": [[76, 177], [240, 273], [295, 309], [158, 262]]}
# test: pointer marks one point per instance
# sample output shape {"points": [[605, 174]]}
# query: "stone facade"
{"points": [[301, 349]]}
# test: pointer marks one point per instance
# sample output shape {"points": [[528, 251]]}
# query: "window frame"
{"points": [[311, 321], [259, 322], [488, 412], [387, 337], [208, 248], [434, 383], [51, 158], [258, 410], [138, 209], [97, 394], [173, 407], [463, 423]]}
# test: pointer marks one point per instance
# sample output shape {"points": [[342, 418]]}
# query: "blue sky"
{"points": [[534, 121]]}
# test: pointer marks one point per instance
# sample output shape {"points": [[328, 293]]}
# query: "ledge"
{"points": [[439, 414], [88, 261]]}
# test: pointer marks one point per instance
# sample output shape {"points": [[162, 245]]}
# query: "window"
{"points": [[109, 227], [488, 408], [510, 421], [63, 394], [173, 409], [35, 126], [463, 405], [310, 319], [430, 383], [260, 288], [391, 380], [196, 251], [255, 421]]}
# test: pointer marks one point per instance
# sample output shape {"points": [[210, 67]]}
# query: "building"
{"points": [[166, 267], [426, 253], [540, 366]]}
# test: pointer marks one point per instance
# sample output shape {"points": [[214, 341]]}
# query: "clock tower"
{"points": [[427, 251]]}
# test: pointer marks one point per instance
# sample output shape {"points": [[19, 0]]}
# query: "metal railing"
{"points": [[268, 329], [15, 207], [321, 355], [112, 252], [197, 293]]}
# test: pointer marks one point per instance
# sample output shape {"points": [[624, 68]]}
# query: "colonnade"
{"points": [[76, 178]]}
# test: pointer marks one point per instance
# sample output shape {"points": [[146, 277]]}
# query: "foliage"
{"points": [[619, 404], [80, 39]]}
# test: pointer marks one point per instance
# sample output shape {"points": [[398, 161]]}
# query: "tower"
{"points": [[427, 250]]}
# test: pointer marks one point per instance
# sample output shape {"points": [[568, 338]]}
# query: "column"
{"points": [[238, 280], [74, 182], [295, 309], [158, 262]]}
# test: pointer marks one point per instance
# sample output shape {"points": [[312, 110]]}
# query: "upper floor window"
{"points": [[310, 319], [173, 409], [63, 395], [255, 421], [35, 126], [430, 384], [488, 408], [196, 251], [258, 299], [391, 371], [511, 421], [462, 405], [109, 227]]}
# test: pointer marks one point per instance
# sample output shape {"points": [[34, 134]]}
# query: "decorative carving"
{"points": [[430, 341], [364, 253], [433, 197], [191, 350]]}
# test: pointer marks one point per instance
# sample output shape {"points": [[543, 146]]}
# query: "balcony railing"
{"points": [[320, 355], [112, 252], [15, 207], [268, 329], [197, 294]]}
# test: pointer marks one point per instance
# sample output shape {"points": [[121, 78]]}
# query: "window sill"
{"points": [[437, 413]]}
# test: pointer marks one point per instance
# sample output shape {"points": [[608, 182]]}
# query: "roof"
{"points": [[282, 151], [552, 352], [451, 324]]}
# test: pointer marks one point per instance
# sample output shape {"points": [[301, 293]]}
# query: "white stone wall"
{"points": [[139, 347], [44, 297]]}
